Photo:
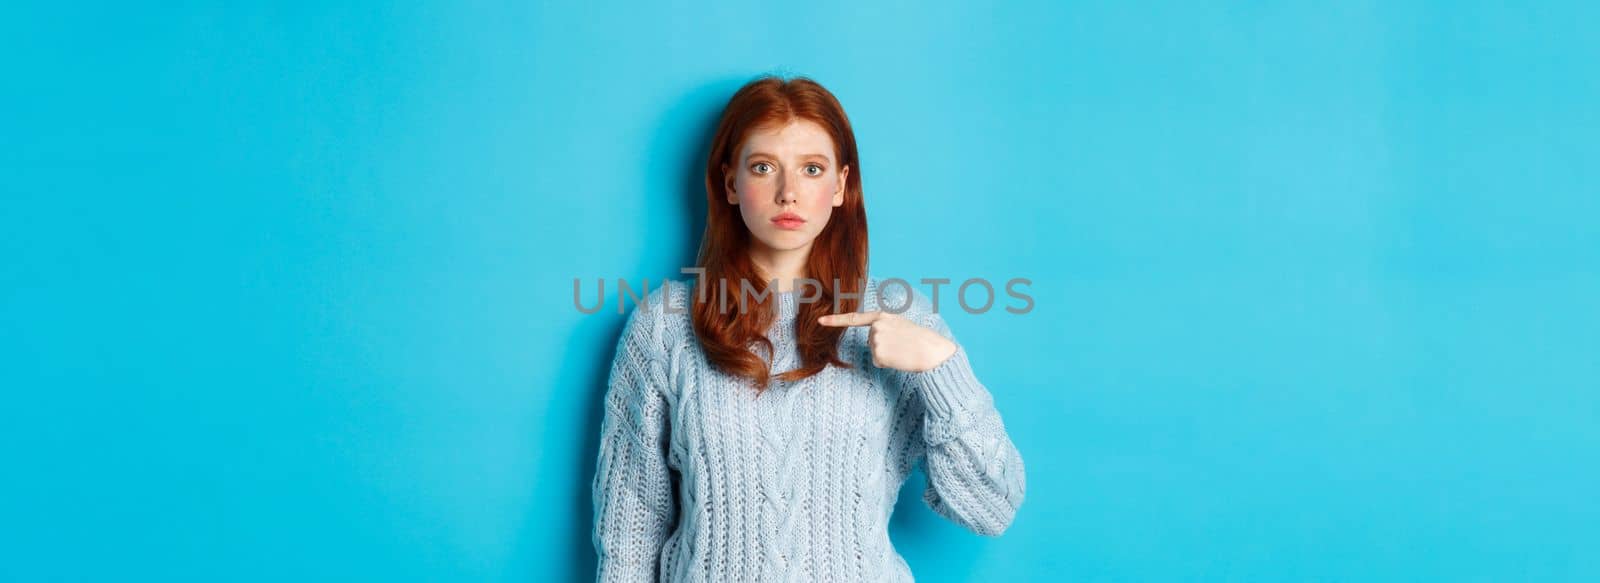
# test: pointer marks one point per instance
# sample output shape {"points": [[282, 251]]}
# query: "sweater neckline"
{"points": [[788, 305]]}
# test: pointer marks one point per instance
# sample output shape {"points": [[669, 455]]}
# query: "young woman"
{"points": [[764, 436]]}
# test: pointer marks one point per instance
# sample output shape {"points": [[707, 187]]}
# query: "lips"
{"points": [[789, 221]]}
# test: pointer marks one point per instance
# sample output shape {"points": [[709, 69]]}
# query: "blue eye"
{"points": [[761, 167], [814, 170]]}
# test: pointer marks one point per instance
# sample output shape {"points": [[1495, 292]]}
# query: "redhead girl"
{"points": [[761, 417]]}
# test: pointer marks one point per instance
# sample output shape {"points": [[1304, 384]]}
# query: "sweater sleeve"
{"points": [[634, 506], [975, 474]]}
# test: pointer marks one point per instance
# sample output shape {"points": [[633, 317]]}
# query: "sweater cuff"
{"points": [[951, 388]]}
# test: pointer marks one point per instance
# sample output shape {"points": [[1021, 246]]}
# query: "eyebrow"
{"points": [[802, 156]]}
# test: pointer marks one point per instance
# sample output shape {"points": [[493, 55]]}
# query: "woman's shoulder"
{"points": [[660, 317]]}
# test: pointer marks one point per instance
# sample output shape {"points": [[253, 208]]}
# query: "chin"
{"points": [[787, 241]]}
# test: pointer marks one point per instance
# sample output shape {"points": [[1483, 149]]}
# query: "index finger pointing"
{"points": [[850, 319]]}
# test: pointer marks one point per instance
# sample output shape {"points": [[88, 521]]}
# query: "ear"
{"points": [[838, 195], [727, 186]]}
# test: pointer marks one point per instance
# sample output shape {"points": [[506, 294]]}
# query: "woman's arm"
{"points": [[632, 489], [975, 474]]}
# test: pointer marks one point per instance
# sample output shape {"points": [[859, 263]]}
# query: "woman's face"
{"points": [[784, 172]]}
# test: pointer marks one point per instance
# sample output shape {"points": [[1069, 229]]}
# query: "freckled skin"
{"points": [[787, 169]]}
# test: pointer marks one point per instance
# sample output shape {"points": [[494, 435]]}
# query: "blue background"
{"points": [[287, 291]]}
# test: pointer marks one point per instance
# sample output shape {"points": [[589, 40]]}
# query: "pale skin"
{"points": [[793, 169]]}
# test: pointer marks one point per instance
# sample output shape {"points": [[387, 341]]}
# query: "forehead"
{"points": [[795, 139]]}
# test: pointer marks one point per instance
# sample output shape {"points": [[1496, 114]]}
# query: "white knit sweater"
{"points": [[698, 479]]}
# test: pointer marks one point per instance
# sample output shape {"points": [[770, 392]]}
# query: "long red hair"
{"points": [[838, 253]]}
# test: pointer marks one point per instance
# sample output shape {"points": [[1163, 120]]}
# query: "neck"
{"points": [[786, 266]]}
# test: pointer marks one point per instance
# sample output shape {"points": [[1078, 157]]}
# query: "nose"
{"points": [[785, 195]]}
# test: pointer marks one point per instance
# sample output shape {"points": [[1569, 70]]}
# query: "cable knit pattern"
{"points": [[700, 479]]}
